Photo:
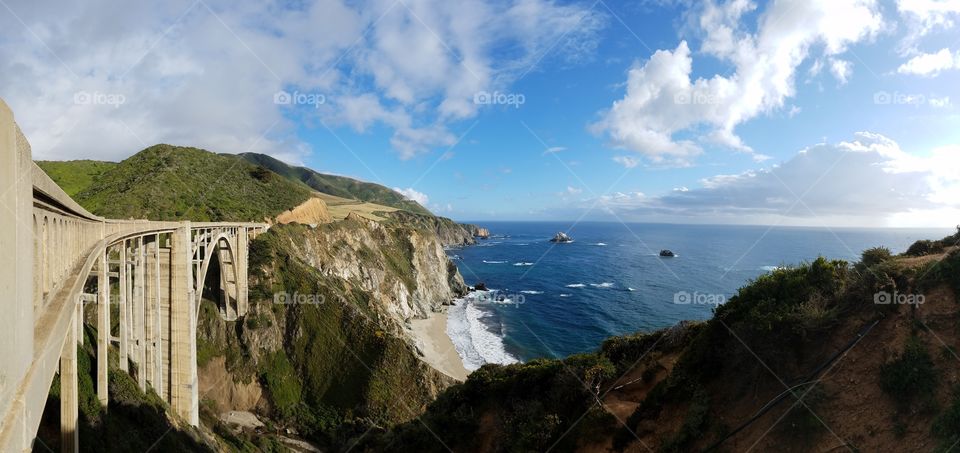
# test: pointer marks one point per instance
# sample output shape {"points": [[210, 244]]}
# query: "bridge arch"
{"points": [[220, 246]]}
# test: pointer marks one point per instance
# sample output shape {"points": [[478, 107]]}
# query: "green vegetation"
{"points": [[508, 404], [872, 257], [75, 176], [340, 186], [911, 376], [166, 182], [129, 411], [338, 373], [928, 247], [947, 425]]}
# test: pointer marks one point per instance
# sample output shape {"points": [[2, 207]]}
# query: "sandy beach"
{"points": [[438, 349]]}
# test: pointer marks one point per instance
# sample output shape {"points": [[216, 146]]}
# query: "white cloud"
{"points": [[664, 107], [554, 149], [931, 64], [867, 181], [574, 190], [626, 161], [204, 73], [924, 17], [411, 194], [841, 70]]}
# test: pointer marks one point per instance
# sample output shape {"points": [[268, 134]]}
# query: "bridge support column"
{"points": [[139, 306], [103, 329], [183, 329], [69, 409], [243, 244], [124, 319]]}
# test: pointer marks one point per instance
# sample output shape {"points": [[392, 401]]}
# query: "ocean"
{"points": [[553, 300]]}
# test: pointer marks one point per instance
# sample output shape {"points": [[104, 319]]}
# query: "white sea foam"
{"points": [[494, 262], [528, 291], [601, 244], [565, 295], [602, 285], [523, 263], [770, 268], [475, 343], [630, 289], [576, 285]]}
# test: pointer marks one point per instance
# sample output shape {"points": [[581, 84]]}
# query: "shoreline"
{"points": [[430, 335]]}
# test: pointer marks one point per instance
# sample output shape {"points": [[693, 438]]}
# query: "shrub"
{"points": [[874, 256], [947, 425], [910, 376], [924, 247]]}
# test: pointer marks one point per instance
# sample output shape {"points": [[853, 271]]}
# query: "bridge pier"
{"points": [[183, 335], [139, 314], [69, 409], [124, 319], [103, 328]]}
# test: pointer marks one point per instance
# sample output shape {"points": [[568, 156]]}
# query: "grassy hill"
{"points": [[74, 176], [165, 182], [339, 186]]}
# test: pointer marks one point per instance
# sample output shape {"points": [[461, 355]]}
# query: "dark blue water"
{"points": [[576, 295]]}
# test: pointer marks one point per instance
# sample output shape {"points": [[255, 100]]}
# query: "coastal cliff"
{"points": [[326, 347], [449, 232]]}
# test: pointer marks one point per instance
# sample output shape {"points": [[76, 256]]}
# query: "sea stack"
{"points": [[482, 233], [561, 237]]}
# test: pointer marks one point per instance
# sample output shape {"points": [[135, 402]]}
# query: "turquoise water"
{"points": [[560, 299]]}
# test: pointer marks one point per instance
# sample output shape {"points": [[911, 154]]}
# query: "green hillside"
{"points": [[165, 182], [338, 185], [74, 176]]}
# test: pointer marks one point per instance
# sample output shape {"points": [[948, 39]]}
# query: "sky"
{"points": [[789, 112]]}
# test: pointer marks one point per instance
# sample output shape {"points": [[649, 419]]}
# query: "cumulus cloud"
{"points": [[931, 64], [861, 182], [664, 108], [205, 73], [411, 194]]}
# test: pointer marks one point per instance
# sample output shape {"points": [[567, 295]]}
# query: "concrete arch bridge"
{"points": [[61, 262]]}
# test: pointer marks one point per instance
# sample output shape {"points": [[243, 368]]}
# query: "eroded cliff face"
{"points": [[324, 346], [403, 268], [449, 233]]}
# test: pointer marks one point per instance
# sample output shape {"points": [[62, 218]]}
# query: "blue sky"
{"points": [[790, 112]]}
